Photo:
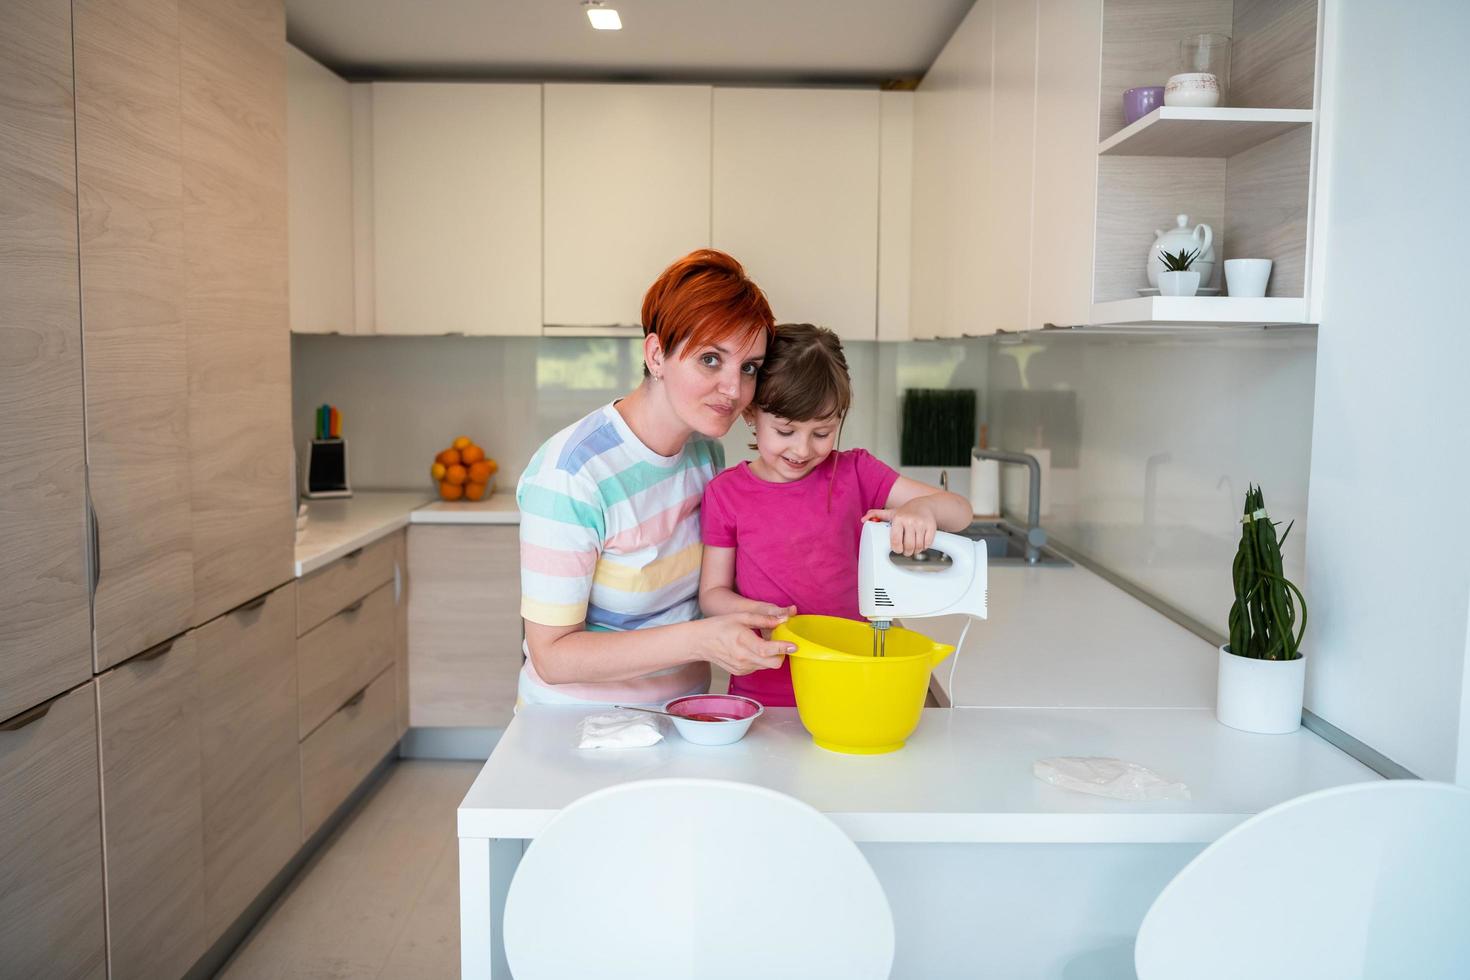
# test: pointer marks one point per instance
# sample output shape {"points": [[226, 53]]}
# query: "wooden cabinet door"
{"points": [[457, 208], [131, 220], [152, 823], [952, 127], [464, 625], [51, 847], [627, 192], [45, 628], [251, 779], [400, 625], [243, 499], [1006, 278], [319, 169], [795, 199]]}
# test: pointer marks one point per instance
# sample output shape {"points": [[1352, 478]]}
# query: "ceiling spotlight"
{"points": [[603, 18]]}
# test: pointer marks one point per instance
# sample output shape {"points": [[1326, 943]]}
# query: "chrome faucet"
{"points": [[1035, 534]]}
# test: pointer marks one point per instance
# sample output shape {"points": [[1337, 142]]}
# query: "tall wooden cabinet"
{"points": [[131, 222], [242, 487], [45, 629]]}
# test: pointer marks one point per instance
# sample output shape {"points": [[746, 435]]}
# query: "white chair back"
{"points": [[1363, 881], [698, 878]]}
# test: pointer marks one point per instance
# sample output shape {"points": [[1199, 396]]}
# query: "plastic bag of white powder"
{"points": [[1113, 778], [618, 730]]}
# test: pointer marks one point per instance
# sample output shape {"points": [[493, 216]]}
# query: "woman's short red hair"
{"points": [[702, 299]]}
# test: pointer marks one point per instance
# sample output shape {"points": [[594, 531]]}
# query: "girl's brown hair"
{"points": [[804, 376]]}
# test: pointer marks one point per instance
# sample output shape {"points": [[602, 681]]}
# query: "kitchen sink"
{"points": [[1005, 544]]}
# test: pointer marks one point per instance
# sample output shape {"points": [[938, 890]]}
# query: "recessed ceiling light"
{"points": [[602, 18]]}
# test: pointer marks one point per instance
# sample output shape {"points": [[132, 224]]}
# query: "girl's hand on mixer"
{"points": [[913, 527], [731, 641]]}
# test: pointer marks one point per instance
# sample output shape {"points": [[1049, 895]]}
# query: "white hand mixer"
{"points": [[948, 578]]}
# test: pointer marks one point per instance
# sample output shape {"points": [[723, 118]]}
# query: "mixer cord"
{"points": [[955, 660]]}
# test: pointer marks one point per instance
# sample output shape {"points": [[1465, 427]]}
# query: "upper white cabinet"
{"points": [[627, 170], [795, 199], [319, 176], [895, 213], [457, 208]]}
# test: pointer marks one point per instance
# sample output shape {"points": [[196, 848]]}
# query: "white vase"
{"points": [[1178, 283], [1262, 696]]}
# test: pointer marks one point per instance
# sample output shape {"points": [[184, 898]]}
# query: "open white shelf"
{"points": [[1171, 131], [1200, 311]]}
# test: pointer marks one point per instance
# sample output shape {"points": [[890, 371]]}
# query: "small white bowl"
{"points": [[714, 732], [1192, 90]]}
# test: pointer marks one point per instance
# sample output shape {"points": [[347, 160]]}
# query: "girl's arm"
{"points": [[717, 595], [917, 510]]}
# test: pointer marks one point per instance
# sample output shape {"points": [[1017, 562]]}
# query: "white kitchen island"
{"points": [[989, 871]]}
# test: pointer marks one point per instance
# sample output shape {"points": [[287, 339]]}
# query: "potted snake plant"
{"points": [[1262, 670], [1179, 278]]}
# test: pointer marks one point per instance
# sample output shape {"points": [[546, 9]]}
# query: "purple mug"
{"points": [[1139, 102]]}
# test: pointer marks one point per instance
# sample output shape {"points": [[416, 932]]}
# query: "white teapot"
{"points": [[1182, 237]]}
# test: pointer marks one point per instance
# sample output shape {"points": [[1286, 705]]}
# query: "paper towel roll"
{"points": [[984, 487]]}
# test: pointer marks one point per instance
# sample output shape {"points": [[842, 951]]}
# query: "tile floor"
{"points": [[381, 897]]}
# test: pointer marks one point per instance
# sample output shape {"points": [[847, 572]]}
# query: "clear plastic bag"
{"points": [[1114, 778], [619, 730]]}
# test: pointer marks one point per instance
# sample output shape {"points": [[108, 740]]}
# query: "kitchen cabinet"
{"points": [[320, 197], [456, 176], [1006, 278], [895, 213], [337, 658], [242, 489], [627, 192], [329, 590], [344, 750], [795, 199], [152, 817], [464, 624], [952, 247], [45, 626], [251, 784], [400, 626], [51, 919], [131, 205]]}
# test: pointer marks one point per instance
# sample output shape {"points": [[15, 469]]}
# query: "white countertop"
{"points": [[964, 776], [1067, 638], [335, 527]]}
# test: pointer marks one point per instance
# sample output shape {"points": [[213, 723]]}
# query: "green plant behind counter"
{"points": [[1264, 621]]}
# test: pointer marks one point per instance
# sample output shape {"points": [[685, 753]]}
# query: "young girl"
{"points": [[784, 528]]}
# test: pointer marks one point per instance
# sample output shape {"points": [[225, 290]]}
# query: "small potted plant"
{"points": [[1178, 279], [1262, 670]]}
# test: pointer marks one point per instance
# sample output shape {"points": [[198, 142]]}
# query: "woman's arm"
{"points": [[566, 654], [917, 510], [717, 595]]}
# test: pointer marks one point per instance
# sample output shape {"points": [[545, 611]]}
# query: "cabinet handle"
{"points": [[354, 701], [96, 531], [252, 604], [26, 717], [352, 555], [154, 652], [347, 610]]}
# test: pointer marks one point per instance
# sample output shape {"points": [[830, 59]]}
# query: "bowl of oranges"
{"points": [[464, 472]]}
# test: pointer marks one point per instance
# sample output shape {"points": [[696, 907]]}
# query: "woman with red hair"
{"points": [[610, 542]]}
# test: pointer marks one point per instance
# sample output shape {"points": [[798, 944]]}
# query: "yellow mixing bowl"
{"points": [[850, 700]]}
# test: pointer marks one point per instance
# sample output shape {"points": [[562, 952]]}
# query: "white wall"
{"points": [[1389, 579]]}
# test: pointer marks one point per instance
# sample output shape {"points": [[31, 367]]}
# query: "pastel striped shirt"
{"points": [[610, 538]]}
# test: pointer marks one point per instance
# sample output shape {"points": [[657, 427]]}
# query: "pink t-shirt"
{"points": [[795, 544]]}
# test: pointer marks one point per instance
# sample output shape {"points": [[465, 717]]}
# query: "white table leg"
{"points": [[486, 868]]}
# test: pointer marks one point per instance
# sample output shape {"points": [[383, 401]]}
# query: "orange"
{"points": [[437, 471], [494, 466], [471, 454], [451, 491], [474, 491], [462, 442], [480, 472], [456, 474], [448, 457]]}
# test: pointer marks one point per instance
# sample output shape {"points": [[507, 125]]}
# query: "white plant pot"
{"points": [[1263, 696], [1178, 283]]}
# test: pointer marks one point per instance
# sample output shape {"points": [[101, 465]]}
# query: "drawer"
{"points": [[339, 657], [51, 844], [328, 591], [337, 756]]}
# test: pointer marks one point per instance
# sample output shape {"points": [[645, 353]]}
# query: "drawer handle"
{"points": [[347, 610], [252, 605], [354, 701], [352, 555], [26, 717], [154, 652]]}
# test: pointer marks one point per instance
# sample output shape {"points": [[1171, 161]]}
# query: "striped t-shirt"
{"points": [[610, 537]]}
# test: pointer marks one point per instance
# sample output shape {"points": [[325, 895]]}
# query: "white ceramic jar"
{"points": [[1262, 696], [1182, 237], [1192, 90]]}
